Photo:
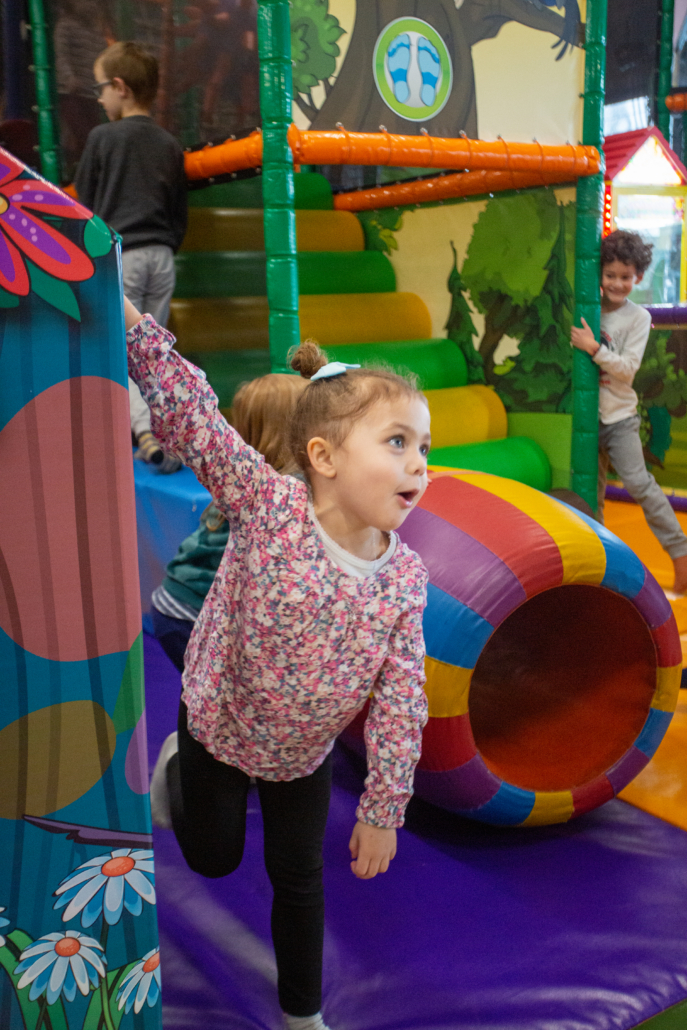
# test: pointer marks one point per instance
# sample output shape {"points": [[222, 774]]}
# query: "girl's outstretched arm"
{"points": [[393, 730], [185, 419]]}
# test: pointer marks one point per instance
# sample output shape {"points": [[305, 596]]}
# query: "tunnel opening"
{"points": [[562, 688]]}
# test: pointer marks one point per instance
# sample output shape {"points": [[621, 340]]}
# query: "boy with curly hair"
{"points": [[625, 327]]}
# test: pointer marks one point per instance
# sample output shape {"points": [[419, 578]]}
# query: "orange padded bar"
{"points": [[386, 148], [677, 102], [232, 156], [443, 187]]}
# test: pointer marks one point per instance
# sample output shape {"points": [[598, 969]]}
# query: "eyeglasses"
{"points": [[100, 86]]}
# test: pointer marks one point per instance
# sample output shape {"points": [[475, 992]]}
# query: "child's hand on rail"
{"points": [[583, 339], [372, 848], [131, 316]]}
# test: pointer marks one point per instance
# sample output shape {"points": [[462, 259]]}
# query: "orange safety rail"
{"points": [[676, 102], [551, 163], [444, 187]]}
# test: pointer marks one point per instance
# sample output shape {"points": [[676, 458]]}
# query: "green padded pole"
{"points": [[274, 49], [43, 68], [590, 195], [665, 67]]}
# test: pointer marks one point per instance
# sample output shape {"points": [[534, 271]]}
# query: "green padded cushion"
{"points": [[515, 457], [436, 363], [226, 370], [312, 192], [242, 273]]}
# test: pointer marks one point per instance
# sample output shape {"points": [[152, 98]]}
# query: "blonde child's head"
{"points": [[262, 413], [361, 439]]}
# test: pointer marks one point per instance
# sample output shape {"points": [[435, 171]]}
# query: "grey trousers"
{"points": [[149, 277], [620, 446]]}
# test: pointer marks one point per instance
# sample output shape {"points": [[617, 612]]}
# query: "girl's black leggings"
{"points": [[209, 800]]}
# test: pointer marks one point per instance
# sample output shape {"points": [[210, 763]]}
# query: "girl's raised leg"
{"points": [[208, 801]]}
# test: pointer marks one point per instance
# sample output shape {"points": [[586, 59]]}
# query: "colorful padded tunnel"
{"points": [[553, 658]]}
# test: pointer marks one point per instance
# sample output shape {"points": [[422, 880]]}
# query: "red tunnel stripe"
{"points": [[591, 795], [447, 743], [509, 533], [667, 641]]}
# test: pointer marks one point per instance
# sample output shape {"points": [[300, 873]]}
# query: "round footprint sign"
{"points": [[412, 69]]}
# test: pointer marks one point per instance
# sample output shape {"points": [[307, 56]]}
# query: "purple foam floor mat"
{"points": [[573, 927]]}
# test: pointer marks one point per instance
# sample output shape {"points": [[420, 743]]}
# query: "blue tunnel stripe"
{"points": [[509, 806], [653, 731], [453, 632], [625, 573]]}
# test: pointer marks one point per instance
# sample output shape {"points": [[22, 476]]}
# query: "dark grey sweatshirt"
{"points": [[131, 174]]}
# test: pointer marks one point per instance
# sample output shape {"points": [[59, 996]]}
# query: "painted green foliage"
{"points": [[517, 273], [662, 391], [460, 327], [314, 50], [540, 378], [379, 228]]}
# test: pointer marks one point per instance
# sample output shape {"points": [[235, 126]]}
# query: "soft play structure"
{"points": [[459, 246], [348, 302], [79, 930]]}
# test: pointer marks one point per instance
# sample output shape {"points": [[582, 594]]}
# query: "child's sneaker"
{"points": [[305, 1022], [159, 794]]}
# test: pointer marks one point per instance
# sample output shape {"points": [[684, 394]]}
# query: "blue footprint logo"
{"points": [[430, 68], [398, 60]]}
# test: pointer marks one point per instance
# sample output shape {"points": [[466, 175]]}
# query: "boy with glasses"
{"points": [[131, 174]]}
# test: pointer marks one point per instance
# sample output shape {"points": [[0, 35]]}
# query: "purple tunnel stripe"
{"points": [[459, 790], [652, 603], [625, 770], [462, 567]]}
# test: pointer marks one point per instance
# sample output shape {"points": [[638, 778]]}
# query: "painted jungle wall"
{"points": [[497, 277]]}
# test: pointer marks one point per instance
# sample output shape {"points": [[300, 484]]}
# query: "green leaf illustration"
{"points": [[97, 238], [131, 700], [17, 941], [54, 291], [8, 300], [93, 1020]]}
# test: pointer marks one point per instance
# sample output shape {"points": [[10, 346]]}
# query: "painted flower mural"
{"points": [[141, 984], [58, 963], [106, 885], [24, 235]]}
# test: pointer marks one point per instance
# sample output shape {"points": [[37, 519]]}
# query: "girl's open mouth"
{"points": [[408, 496]]}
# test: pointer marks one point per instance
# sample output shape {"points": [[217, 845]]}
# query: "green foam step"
{"points": [[515, 457], [226, 370], [437, 363], [242, 273], [311, 192]]}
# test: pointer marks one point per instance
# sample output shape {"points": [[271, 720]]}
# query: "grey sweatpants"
{"points": [[149, 277], [620, 446]]}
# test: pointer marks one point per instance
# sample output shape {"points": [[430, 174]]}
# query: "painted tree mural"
{"points": [[460, 326], [540, 377], [354, 99]]}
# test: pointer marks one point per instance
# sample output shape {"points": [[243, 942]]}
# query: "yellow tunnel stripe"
{"points": [[447, 688], [581, 550], [550, 807], [667, 691]]}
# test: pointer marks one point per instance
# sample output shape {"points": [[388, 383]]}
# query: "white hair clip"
{"points": [[334, 368]]}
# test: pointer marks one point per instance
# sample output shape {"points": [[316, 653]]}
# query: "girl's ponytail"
{"points": [[308, 359]]}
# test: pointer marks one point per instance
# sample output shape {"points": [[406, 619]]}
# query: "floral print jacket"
{"points": [[287, 647]]}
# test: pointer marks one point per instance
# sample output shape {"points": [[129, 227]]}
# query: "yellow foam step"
{"points": [[223, 228], [364, 317], [466, 414], [220, 323]]}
